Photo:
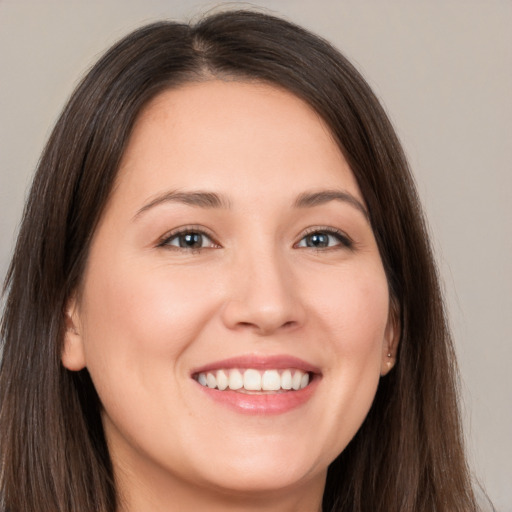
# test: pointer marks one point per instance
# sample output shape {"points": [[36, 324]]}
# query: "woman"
{"points": [[222, 296]]}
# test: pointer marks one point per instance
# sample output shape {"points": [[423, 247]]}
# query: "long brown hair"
{"points": [[407, 456]]}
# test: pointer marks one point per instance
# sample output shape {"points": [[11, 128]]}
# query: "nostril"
{"points": [[265, 328], [262, 314]]}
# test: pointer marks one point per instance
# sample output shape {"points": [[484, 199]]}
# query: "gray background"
{"points": [[443, 69]]}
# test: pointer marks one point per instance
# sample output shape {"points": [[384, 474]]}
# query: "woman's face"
{"points": [[235, 250]]}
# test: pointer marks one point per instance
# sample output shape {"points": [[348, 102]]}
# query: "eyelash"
{"points": [[189, 230], [344, 240], [341, 237]]}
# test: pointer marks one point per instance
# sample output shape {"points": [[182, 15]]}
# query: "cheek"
{"points": [[135, 314], [353, 305], [353, 317], [139, 322], [365, 314], [362, 331]]}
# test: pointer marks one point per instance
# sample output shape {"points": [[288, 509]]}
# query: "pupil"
{"points": [[318, 240], [191, 240]]}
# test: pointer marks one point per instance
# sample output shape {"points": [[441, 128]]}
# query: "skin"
{"points": [[148, 314]]}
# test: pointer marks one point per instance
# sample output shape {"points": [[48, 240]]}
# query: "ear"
{"points": [[73, 354], [391, 339]]}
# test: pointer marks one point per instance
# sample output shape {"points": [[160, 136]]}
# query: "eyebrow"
{"points": [[200, 199], [211, 200], [311, 199]]}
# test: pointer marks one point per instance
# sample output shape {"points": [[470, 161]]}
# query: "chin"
{"points": [[263, 480], [264, 471]]}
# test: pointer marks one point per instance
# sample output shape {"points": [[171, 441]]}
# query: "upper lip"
{"points": [[259, 362]]}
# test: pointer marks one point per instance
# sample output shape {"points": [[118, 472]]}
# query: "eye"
{"points": [[188, 239], [325, 239]]}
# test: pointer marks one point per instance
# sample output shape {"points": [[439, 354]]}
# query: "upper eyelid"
{"points": [[325, 229], [163, 240], [206, 232], [344, 240]]}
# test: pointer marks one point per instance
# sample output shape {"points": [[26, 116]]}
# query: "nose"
{"points": [[263, 296]]}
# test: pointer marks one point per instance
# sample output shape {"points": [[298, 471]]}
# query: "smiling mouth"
{"points": [[251, 380]]}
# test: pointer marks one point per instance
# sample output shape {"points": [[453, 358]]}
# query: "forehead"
{"points": [[231, 135]]}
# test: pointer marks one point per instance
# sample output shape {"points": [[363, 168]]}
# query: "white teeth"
{"points": [[286, 379], [271, 381], [296, 379], [254, 380], [211, 381], [236, 381], [222, 380]]}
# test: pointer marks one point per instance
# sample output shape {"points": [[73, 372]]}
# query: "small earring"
{"points": [[389, 354]]}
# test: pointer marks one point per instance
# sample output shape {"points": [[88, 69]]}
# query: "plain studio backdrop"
{"points": [[443, 70]]}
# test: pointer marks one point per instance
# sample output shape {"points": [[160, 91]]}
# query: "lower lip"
{"points": [[268, 403]]}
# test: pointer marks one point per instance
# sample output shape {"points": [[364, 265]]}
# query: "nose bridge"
{"points": [[263, 295]]}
